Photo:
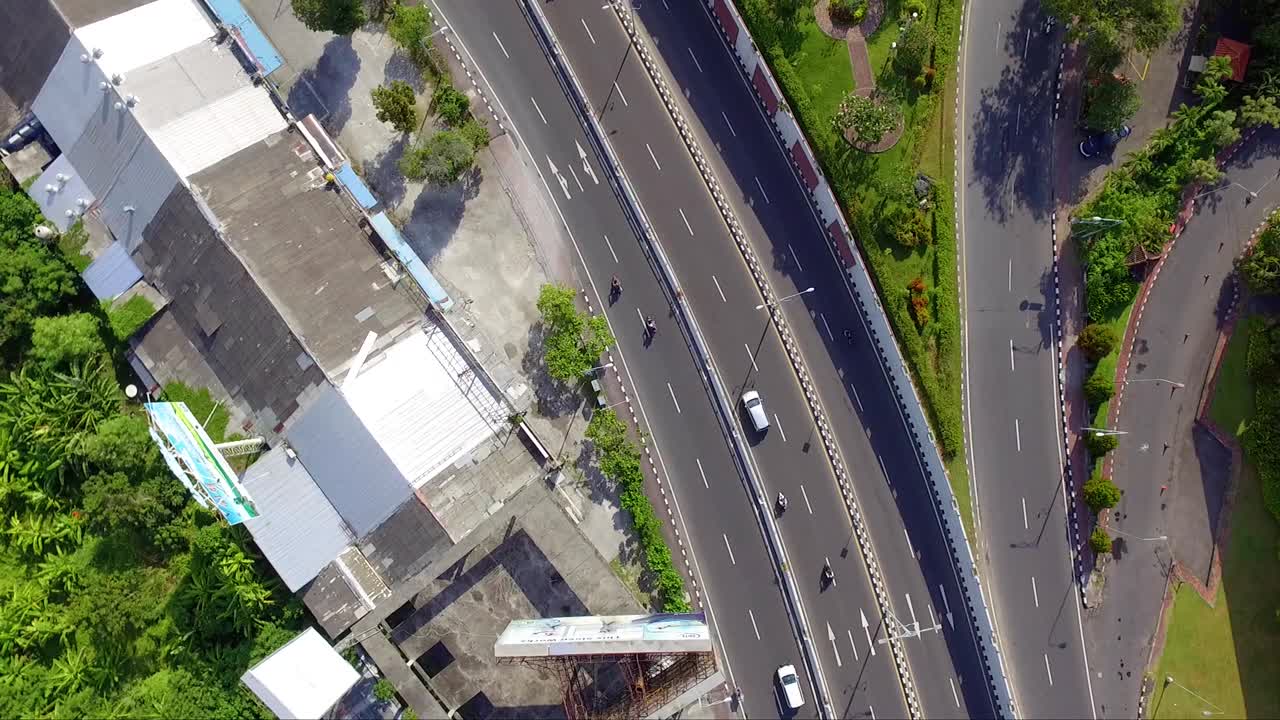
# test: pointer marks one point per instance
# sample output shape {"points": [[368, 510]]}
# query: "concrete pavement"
{"points": [[1172, 473]]}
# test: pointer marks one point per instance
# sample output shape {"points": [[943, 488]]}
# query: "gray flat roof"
{"points": [[303, 244]]}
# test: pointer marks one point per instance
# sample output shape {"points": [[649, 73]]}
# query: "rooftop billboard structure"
{"points": [[604, 635], [193, 456]]}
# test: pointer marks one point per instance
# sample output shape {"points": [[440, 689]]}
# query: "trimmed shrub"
{"points": [[1096, 341], [1100, 444], [1099, 387], [1100, 493], [1100, 541]]}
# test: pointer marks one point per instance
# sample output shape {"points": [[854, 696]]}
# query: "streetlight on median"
{"points": [[1135, 537], [1098, 223], [1168, 680], [1099, 432], [765, 331], [771, 303], [1174, 383]]}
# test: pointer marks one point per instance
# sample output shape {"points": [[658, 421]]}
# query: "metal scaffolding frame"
{"points": [[617, 687]]}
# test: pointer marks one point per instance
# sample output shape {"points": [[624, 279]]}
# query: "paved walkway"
{"points": [[864, 77]]}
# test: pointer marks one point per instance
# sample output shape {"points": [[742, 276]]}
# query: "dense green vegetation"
{"points": [[619, 460], [876, 190], [1261, 438], [573, 340], [122, 597]]}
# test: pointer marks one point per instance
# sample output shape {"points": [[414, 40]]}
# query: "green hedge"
{"points": [[619, 460], [129, 317], [1261, 439]]}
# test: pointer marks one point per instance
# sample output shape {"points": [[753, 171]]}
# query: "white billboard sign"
{"points": [[604, 635], [195, 459]]}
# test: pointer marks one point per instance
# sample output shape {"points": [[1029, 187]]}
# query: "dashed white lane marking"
{"points": [[501, 46], [652, 156], [764, 194], [806, 499], [1035, 594], [611, 252], [778, 422], [535, 107], [575, 179], [883, 469], [717, 282], [910, 549], [695, 59], [673, 398], [726, 547], [1011, 367], [793, 257], [1010, 274], [753, 624], [686, 221], [855, 397], [1047, 670], [1024, 514], [853, 645], [1017, 433], [703, 474], [752, 356], [624, 101], [584, 27], [954, 696], [726, 122], [828, 327]]}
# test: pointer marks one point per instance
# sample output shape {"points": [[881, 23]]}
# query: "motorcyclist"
{"points": [[782, 501], [649, 326], [827, 574], [615, 287]]}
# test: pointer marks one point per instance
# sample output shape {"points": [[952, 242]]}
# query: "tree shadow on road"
{"points": [[325, 88]]}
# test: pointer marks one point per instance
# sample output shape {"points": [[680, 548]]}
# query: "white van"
{"points": [[755, 410], [790, 685]]}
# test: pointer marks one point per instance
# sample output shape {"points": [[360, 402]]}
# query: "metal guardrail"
{"points": [[721, 403]]}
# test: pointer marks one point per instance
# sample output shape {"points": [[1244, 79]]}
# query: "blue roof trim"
{"points": [[382, 225], [232, 14], [354, 185]]}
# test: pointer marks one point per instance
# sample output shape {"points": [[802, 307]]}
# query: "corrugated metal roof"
{"points": [[65, 194], [218, 130], [297, 528], [347, 462], [145, 34], [354, 185], [111, 273], [232, 14], [183, 82], [413, 404], [412, 263], [71, 95]]}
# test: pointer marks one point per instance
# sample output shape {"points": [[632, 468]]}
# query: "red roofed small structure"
{"points": [[1239, 54]]}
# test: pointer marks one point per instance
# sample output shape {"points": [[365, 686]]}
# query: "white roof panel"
{"points": [[145, 34], [413, 405], [303, 679], [218, 130]]}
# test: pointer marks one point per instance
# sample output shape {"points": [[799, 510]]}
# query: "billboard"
{"points": [[604, 635], [191, 455]]}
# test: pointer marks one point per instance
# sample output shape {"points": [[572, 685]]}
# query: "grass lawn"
{"points": [[815, 73], [1233, 396], [1226, 653]]}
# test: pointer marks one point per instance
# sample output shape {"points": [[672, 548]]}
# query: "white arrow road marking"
{"points": [[950, 620], [832, 637], [866, 629], [586, 166], [564, 184]]}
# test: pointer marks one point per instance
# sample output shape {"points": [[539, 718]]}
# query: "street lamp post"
{"points": [[1174, 383], [1250, 195], [1135, 537], [764, 332], [1099, 432], [567, 430], [806, 291], [1168, 680], [1098, 223]]}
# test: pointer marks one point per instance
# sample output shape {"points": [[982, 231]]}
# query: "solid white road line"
{"points": [[910, 550], [695, 59], [726, 122], [853, 645], [872, 711], [575, 179], [806, 499], [584, 27], [1010, 274], [828, 327], [624, 102], [611, 252], [855, 396], [686, 220], [1011, 366], [1034, 592], [535, 107], [1024, 514], [652, 156], [793, 257], [753, 624], [998, 24], [673, 398], [954, 696], [1046, 668], [717, 282], [883, 469], [763, 194], [703, 474], [778, 422], [1027, 45], [642, 322], [501, 46], [726, 547], [1017, 434], [750, 355], [933, 619]]}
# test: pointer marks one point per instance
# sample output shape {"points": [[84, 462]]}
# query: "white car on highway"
{"points": [[789, 684], [754, 406]]}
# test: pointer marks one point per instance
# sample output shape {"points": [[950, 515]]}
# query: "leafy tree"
{"points": [[848, 11], [913, 52], [475, 133], [870, 118], [34, 282], [410, 27], [1099, 387], [1261, 266], [121, 443], [340, 17], [1099, 492], [1100, 444], [18, 218], [1146, 23], [1220, 128], [1203, 170], [384, 690], [1259, 111], [450, 104], [1107, 47], [440, 160], [1111, 101], [64, 339], [573, 340], [909, 226], [223, 597], [1209, 87], [1100, 541], [395, 104], [1096, 341]]}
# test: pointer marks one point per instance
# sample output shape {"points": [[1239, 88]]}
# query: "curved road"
{"points": [[1005, 152]]}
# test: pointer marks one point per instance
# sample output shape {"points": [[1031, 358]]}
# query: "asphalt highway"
{"points": [[1005, 128], [776, 215], [745, 605]]}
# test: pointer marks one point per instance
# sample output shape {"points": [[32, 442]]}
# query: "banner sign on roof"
{"points": [[604, 635], [193, 457]]}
